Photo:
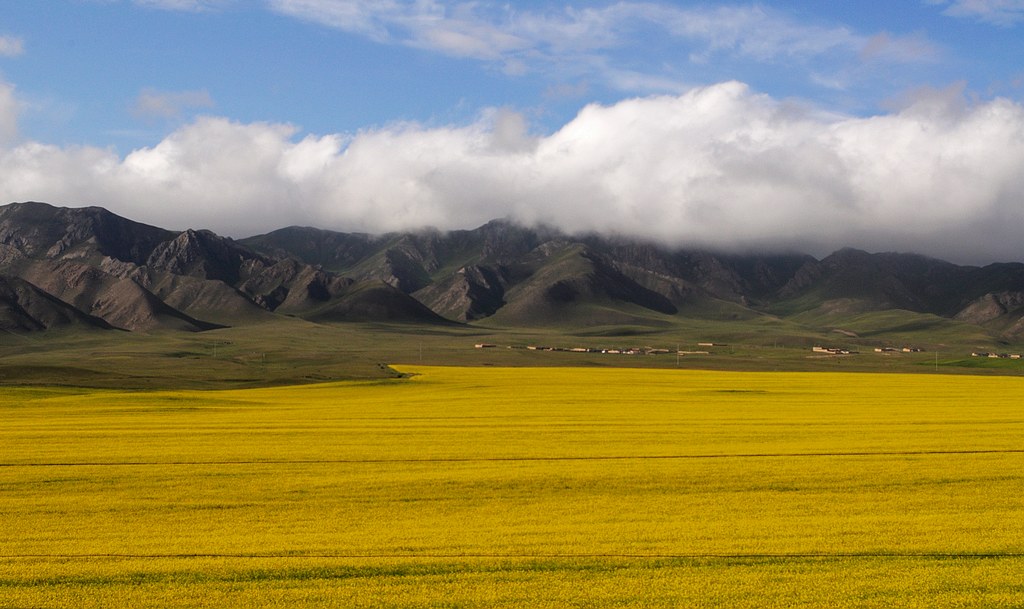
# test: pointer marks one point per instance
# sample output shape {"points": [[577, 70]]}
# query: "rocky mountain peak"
{"points": [[116, 269], [39, 229]]}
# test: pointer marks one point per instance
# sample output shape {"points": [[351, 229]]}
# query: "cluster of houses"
{"points": [[996, 355], [611, 351], [658, 351], [840, 351], [833, 350]]}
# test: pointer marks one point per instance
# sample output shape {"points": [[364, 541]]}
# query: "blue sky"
{"points": [[740, 125]]}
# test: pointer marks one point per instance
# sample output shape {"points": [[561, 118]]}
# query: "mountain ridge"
{"points": [[139, 277]]}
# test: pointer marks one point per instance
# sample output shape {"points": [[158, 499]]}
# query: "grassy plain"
{"points": [[293, 351], [512, 487]]}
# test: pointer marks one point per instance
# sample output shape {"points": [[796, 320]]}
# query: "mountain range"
{"points": [[89, 268]]}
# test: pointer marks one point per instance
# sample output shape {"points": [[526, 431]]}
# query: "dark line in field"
{"points": [[894, 453], [555, 555]]}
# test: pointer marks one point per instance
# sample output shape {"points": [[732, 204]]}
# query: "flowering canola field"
{"points": [[512, 487]]}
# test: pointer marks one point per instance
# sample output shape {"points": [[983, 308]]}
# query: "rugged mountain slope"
{"points": [[39, 230], [26, 308], [895, 281], [517, 275], [225, 273], [64, 251], [562, 281], [851, 282], [210, 300], [374, 300], [470, 293], [474, 274], [1002, 312], [120, 302], [685, 274], [428, 250], [323, 248], [140, 277]]}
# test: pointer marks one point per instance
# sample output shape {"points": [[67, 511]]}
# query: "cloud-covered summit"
{"points": [[720, 166]]}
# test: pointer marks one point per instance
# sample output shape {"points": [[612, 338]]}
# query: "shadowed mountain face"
{"points": [[38, 230], [532, 277], [26, 308], [990, 296], [141, 278], [138, 277]]}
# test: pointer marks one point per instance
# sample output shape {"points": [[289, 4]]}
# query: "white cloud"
{"points": [[715, 167], [590, 40], [169, 104], [11, 46], [996, 12]]}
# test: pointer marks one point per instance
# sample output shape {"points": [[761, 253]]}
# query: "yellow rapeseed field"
{"points": [[513, 487]]}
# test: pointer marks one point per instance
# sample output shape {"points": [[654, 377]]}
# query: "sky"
{"points": [[772, 126]]}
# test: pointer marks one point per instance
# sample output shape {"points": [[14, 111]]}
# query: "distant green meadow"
{"points": [[519, 487]]}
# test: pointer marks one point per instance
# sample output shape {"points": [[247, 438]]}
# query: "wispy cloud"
{"points": [[184, 5], [592, 39], [11, 46], [885, 46], [754, 32], [169, 104], [997, 12], [371, 18]]}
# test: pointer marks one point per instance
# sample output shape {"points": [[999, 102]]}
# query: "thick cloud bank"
{"points": [[716, 167]]}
